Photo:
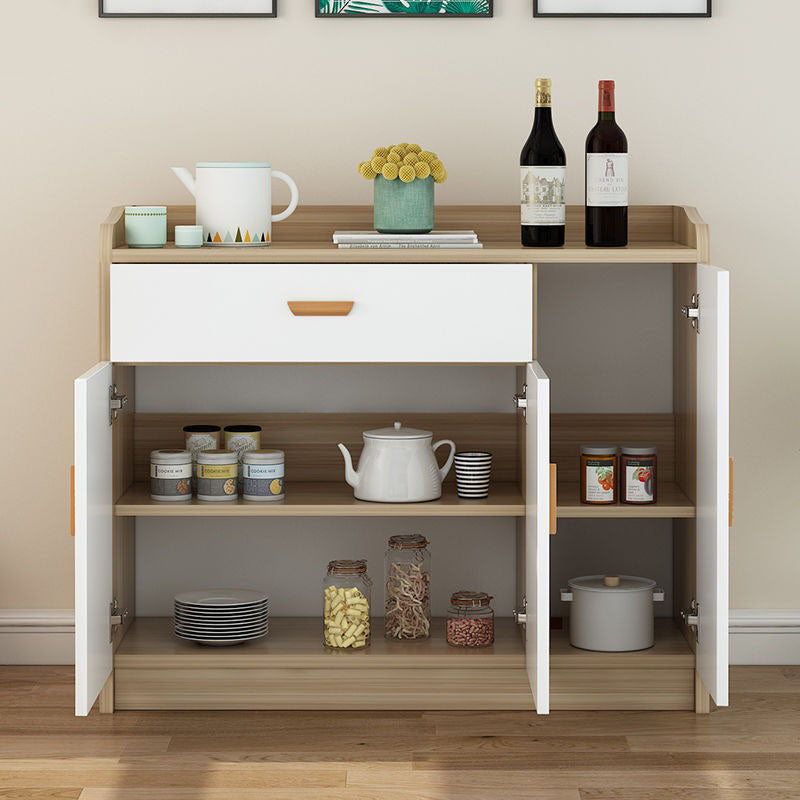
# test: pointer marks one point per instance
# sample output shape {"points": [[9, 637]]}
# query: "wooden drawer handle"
{"points": [[553, 498], [320, 308]]}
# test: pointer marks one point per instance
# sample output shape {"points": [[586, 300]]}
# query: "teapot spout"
{"points": [[186, 178], [350, 475]]}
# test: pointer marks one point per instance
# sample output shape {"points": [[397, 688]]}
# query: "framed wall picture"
{"points": [[621, 8], [447, 9], [188, 8]]}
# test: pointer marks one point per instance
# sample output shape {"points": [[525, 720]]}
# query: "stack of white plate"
{"points": [[221, 616], [473, 471]]}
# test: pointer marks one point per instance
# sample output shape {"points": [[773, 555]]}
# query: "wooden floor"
{"points": [[748, 752]]}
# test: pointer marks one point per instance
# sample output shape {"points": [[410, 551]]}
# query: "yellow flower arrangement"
{"points": [[405, 161]]}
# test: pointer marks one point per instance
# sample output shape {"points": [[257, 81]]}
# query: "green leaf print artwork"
{"points": [[412, 8]]}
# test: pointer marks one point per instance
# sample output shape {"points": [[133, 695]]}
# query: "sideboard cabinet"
{"points": [[302, 301]]}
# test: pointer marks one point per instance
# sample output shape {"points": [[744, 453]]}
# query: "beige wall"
{"points": [[94, 111]]}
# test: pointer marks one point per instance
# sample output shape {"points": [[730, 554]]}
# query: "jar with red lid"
{"points": [[470, 620], [598, 474], [637, 470]]}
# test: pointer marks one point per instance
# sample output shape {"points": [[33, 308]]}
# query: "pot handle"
{"points": [[295, 199], [449, 463], [566, 596], [658, 595]]}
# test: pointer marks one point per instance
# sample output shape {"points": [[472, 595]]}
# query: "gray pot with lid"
{"points": [[611, 613]]}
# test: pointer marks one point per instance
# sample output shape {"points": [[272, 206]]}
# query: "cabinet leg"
{"points": [[702, 699], [107, 696]]}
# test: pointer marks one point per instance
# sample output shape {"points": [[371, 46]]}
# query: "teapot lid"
{"points": [[397, 431]]}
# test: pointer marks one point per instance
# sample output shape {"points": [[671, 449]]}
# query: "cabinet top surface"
{"points": [[658, 234]]}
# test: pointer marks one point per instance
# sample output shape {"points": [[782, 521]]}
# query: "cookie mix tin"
{"points": [[217, 473], [262, 473], [171, 475]]}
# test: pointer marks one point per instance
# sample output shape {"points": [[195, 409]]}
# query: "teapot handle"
{"points": [[449, 463]]}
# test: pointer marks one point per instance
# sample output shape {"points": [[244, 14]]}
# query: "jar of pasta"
{"points": [[217, 473], [346, 601], [470, 620], [408, 577]]}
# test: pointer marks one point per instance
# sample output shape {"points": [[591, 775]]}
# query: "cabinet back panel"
{"points": [[310, 440]]}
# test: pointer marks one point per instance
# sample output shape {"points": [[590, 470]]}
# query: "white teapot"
{"points": [[398, 465]]}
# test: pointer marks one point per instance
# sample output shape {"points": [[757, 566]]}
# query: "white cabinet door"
{"points": [[713, 350], [282, 313], [93, 535], [537, 535]]}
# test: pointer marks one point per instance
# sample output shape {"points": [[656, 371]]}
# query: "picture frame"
{"points": [[393, 9], [192, 9], [622, 8]]}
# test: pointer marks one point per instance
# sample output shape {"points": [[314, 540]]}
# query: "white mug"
{"points": [[234, 201]]}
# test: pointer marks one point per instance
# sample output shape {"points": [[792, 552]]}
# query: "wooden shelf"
{"points": [[658, 234], [672, 503], [291, 669], [336, 500], [509, 252], [670, 650], [296, 643], [326, 500]]}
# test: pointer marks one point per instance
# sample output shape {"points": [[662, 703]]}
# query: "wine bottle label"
{"points": [[606, 179], [543, 195]]}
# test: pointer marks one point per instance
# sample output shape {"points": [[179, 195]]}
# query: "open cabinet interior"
{"points": [[615, 362]]}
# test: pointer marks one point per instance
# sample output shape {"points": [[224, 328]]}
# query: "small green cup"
{"points": [[403, 207], [145, 226]]}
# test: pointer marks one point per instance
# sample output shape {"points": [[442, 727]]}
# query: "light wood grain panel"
{"points": [[296, 643], [307, 237], [622, 689], [569, 431], [310, 440], [327, 500], [112, 235], [672, 503]]}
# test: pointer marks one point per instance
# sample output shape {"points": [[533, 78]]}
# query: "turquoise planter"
{"points": [[403, 207]]}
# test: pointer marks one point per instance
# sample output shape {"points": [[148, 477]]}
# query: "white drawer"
{"points": [[401, 313]]}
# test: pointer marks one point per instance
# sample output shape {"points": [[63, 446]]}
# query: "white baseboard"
{"points": [[765, 636], [37, 636]]}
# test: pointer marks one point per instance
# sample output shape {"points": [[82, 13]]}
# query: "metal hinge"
{"points": [[521, 617], [116, 618], [521, 400], [691, 616], [116, 402], [692, 312]]}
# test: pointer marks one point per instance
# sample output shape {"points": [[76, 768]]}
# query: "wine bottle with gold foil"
{"points": [[606, 176], [543, 175]]}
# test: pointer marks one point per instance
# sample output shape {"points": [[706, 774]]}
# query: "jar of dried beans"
{"points": [[408, 578], [470, 620], [346, 600]]}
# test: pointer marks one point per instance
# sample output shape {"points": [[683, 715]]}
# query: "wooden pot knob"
{"points": [[611, 580]]}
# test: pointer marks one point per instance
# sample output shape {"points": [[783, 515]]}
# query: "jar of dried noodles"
{"points": [[408, 595]]}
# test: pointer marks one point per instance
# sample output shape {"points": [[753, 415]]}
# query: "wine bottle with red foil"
{"points": [[543, 174], [606, 177]]}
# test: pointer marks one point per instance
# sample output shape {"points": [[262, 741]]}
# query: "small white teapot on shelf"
{"points": [[398, 465]]}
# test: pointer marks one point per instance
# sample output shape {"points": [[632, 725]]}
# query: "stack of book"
{"points": [[455, 240]]}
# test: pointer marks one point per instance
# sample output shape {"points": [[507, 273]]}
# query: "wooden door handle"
{"points": [[72, 500], [553, 498], [320, 308]]}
